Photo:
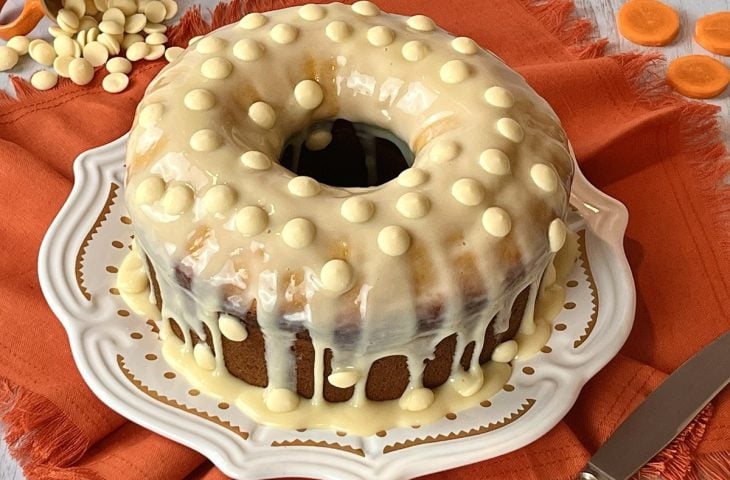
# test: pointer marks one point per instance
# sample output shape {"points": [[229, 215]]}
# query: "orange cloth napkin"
{"points": [[661, 155]]}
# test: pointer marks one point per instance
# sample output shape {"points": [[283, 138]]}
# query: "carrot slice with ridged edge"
{"points": [[648, 22], [713, 32], [698, 76]]}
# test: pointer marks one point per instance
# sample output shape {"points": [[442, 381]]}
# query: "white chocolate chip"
{"points": [[130, 40], [510, 129], [232, 328], [19, 43], [96, 54], [336, 276], [61, 65], [87, 23], [77, 7], [199, 99], [128, 7], [216, 68], [304, 186], [149, 190], [416, 400], [496, 222], [468, 383], [118, 65], [248, 50], [262, 114], [177, 199], [344, 378], [8, 58], [56, 31], [365, 8], [253, 21], [308, 94], [80, 39], [42, 52], [444, 151], [137, 51], [203, 356], [414, 50], [454, 71], [468, 191], [115, 82], [544, 177], [357, 209], [505, 352], [280, 400], [412, 177], [556, 235], [205, 140], [318, 140], [380, 36], [111, 27], [499, 97], [256, 160], [110, 42], [150, 115], [155, 11], [80, 71], [158, 39], [135, 23], [67, 20], [64, 46], [154, 28], [251, 221], [284, 34], [44, 80], [421, 23], [394, 240], [114, 15], [494, 161], [210, 44], [338, 31], [312, 12], [219, 199], [172, 53], [298, 233], [171, 8], [465, 45], [156, 51], [100, 5], [413, 205]]}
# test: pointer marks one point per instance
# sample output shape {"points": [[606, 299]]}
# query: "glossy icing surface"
{"points": [[368, 272]]}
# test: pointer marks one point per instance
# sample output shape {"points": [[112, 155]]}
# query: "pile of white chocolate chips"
{"points": [[92, 33]]}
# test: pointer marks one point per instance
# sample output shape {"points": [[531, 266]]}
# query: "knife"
{"points": [[663, 414]]}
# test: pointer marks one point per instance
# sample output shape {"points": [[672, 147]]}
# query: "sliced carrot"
{"points": [[713, 32], [648, 22], [698, 76]]}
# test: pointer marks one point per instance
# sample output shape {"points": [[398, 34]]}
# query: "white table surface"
{"points": [[602, 12]]}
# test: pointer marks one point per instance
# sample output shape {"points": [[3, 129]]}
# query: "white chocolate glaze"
{"points": [[329, 64]]}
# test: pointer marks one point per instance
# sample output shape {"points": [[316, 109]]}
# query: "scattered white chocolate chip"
{"points": [[67, 20], [154, 28], [149, 190], [204, 356], [42, 52], [248, 50], [284, 34], [172, 53], [280, 400], [365, 8], [156, 51], [312, 12], [499, 97], [468, 383], [232, 328], [216, 68], [412, 177], [64, 46], [468, 191], [177, 199], [421, 23], [465, 45], [262, 114], [61, 65], [308, 94], [413, 205], [155, 11], [150, 114], [414, 50], [298, 233], [318, 140], [544, 177], [118, 65], [338, 31], [87, 23], [19, 43], [218, 199], [8, 58], [135, 23], [357, 209], [115, 82], [44, 80], [137, 51], [444, 151], [253, 21], [251, 220], [394, 240], [80, 39], [510, 129], [336, 276], [80, 71], [128, 7], [96, 54], [454, 71], [380, 36], [77, 7], [344, 378], [256, 160], [209, 44], [199, 99], [111, 27], [494, 161], [505, 352], [113, 15], [556, 235], [171, 8], [158, 39], [496, 222], [416, 400], [304, 186], [130, 40], [205, 140]]}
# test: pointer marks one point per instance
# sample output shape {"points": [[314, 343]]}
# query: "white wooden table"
{"points": [[602, 12]]}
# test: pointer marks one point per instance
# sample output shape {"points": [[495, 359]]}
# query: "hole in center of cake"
{"points": [[340, 153]]}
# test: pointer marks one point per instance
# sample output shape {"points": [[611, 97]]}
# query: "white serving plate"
{"points": [[114, 351]]}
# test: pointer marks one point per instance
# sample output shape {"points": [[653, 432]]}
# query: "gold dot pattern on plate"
{"points": [[117, 244], [111, 269], [136, 335], [486, 404], [528, 370], [569, 306], [114, 291], [415, 426], [546, 349], [223, 406], [341, 434], [381, 433], [572, 284], [508, 388], [123, 313], [125, 220], [193, 392], [560, 327], [301, 430], [151, 357], [451, 416], [169, 375]]}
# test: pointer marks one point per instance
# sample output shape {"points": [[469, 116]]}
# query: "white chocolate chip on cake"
{"points": [[338, 31], [336, 276], [414, 50], [468, 191], [251, 220], [256, 160], [421, 23], [556, 235], [298, 233], [262, 114], [544, 177], [219, 199], [510, 129], [312, 12], [177, 199], [209, 45], [199, 99], [468, 383], [308, 94], [248, 50], [413, 205], [318, 140], [19, 43], [357, 209], [344, 378], [149, 190], [494, 161], [465, 45], [8, 58], [365, 8], [232, 328], [505, 352], [44, 80], [118, 65], [444, 151], [454, 71], [253, 21], [496, 222], [380, 36], [280, 400], [412, 177], [284, 34], [150, 114], [416, 400], [303, 186], [216, 68], [394, 240], [204, 356], [205, 140], [499, 97], [80, 71]]}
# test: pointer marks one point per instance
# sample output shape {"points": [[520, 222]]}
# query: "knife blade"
{"points": [[663, 415]]}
